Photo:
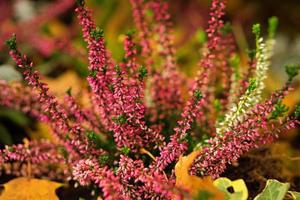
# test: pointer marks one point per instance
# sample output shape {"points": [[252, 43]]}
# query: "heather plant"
{"points": [[139, 120]]}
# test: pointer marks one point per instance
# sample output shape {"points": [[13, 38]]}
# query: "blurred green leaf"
{"points": [[5, 137], [295, 195], [274, 190], [15, 116], [238, 187]]}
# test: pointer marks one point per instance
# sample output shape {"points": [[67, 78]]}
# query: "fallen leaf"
{"points": [[193, 184], [240, 191], [29, 189], [295, 195], [62, 83], [274, 190]]}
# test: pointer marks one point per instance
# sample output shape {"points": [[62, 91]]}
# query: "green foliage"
{"points": [[142, 72], [292, 70], [256, 30], [273, 24], [11, 43], [93, 73], [252, 85], [201, 36], [204, 195], [5, 137], [125, 150], [118, 70], [94, 138], [279, 110], [251, 53], [121, 119], [131, 32], [235, 63], [226, 29], [80, 2], [63, 151], [198, 95], [217, 105], [297, 111], [97, 33], [295, 195], [111, 88], [274, 190], [103, 159]]}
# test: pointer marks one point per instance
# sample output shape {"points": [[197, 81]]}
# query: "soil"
{"points": [[259, 165]]}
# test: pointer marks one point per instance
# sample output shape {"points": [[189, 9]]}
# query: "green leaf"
{"points": [[226, 29], [295, 195], [201, 36], [273, 24], [274, 190], [16, 117], [5, 137], [234, 190], [297, 111], [292, 70]]}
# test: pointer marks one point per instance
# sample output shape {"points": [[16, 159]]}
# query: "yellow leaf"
{"points": [[57, 29], [43, 130], [65, 81], [240, 191], [29, 189], [62, 83], [194, 184]]}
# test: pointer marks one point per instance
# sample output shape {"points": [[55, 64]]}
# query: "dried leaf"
{"points": [[29, 189], [193, 184]]}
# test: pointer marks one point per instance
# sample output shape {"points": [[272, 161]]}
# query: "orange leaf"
{"points": [[194, 184], [29, 189]]}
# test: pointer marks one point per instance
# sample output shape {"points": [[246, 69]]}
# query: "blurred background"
{"points": [[48, 32]]}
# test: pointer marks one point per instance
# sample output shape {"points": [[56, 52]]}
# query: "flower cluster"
{"points": [[137, 124], [28, 29]]}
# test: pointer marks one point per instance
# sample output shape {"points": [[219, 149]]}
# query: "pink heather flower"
{"points": [[18, 97], [143, 183], [166, 90], [88, 171], [54, 111], [193, 108], [139, 18], [28, 30], [35, 152], [100, 78], [248, 134], [118, 143]]}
